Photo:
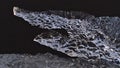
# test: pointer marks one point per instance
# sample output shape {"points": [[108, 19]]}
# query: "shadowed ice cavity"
{"points": [[86, 38]]}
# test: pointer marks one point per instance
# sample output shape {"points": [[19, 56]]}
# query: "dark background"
{"points": [[16, 35]]}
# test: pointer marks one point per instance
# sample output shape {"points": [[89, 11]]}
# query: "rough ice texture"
{"points": [[88, 37]]}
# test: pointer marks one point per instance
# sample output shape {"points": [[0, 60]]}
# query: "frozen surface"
{"points": [[48, 61], [94, 38]]}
